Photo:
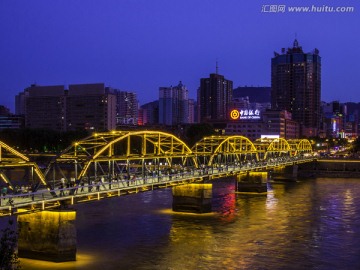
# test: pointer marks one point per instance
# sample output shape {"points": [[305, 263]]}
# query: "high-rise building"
{"points": [[150, 113], [127, 107], [20, 101], [173, 105], [296, 86], [90, 106], [214, 98], [44, 107], [83, 106], [352, 121], [334, 119], [191, 111]]}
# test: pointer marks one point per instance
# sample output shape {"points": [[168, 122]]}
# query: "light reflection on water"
{"points": [[83, 260], [312, 224]]}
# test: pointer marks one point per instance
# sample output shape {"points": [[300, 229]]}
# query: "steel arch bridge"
{"points": [[221, 150], [272, 148], [300, 146], [123, 154], [140, 154], [14, 165], [133, 161]]}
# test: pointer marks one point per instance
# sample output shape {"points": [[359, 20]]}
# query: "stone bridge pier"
{"points": [[193, 198], [288, 173], [252, 182], [47, 235]]}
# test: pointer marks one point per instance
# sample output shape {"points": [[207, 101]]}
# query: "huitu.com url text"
{"points": [[309, 9]]}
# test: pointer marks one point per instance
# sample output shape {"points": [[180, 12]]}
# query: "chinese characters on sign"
{"points": [[245, 114]]}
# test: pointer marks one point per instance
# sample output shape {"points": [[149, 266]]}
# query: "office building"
{"points": [[255, 124], [173, 105], [149, 113], [82, 106], [280, 123], [252, 129], [44, 107], [90, 107], [191, 111], [335, 118], [127, 107], [11, 121], [296, 86], [214, 98], [20, 102], [8, 120]]}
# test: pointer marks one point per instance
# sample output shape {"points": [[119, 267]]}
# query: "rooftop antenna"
{"points": [[296, 43], [217, 67]]}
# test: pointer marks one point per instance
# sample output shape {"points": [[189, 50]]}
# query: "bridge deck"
{"points": [[47, 199]]}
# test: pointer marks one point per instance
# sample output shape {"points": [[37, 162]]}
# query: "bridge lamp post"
{"points": [[160, 164], [158, 169], [151, 173]]}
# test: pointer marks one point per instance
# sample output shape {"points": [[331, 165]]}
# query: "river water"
{"points": [[309, 224]]}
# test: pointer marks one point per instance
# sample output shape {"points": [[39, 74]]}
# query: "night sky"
{"points": [[140, 45]]}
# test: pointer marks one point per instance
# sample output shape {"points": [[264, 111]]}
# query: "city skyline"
{"points": [[141, 45]]}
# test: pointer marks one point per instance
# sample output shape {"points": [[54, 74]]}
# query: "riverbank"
{"points": [[330, 168]]}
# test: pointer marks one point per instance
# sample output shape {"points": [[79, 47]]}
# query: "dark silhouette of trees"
{"points": [[196, 132], [40, 140]]}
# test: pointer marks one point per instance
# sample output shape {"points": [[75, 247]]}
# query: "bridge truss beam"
{"points": [[272, 148], [15, 165], [122, 154], [224, 150], [300, 146]]}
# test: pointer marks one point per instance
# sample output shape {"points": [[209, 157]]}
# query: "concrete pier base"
{"points": [[48, 236], [193, 198], [252, 182], [289, 173]]}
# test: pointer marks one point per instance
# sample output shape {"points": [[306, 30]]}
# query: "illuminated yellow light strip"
{"points": [[13, 151], [4, 178], [40, 174]]}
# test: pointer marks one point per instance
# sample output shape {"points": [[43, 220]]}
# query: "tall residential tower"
{"points": [[127, 107], [173, 105], [296, 86], [214, 98]]}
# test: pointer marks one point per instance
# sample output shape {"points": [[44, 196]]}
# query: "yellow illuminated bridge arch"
{"points": [[224, 150], [273, 148], [17, 169], [125, 153], [300, 146], [142, 153]]}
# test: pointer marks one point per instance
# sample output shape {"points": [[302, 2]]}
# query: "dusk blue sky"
{"points": [[140, 45]]}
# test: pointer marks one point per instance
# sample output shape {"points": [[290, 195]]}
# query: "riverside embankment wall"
{"points": [[330, 168]]}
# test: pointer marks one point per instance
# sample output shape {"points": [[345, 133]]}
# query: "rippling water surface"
{"points": [[310, 224]]}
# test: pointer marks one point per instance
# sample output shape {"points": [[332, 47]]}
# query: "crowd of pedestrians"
{"points": [[72, 186]]}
